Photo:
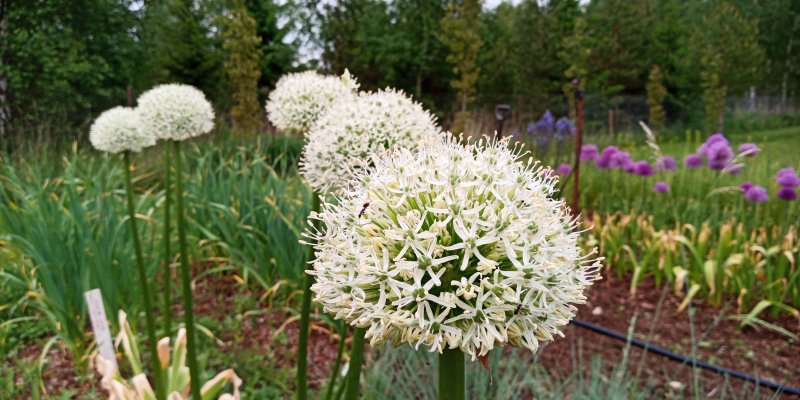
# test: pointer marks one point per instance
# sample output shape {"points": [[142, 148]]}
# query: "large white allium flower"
{"points": [[117, 130], [344, 137], [175, 111], [451, 246], [300, 98]]}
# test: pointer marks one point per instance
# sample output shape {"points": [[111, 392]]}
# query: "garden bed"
{"points": [[720, 341]]}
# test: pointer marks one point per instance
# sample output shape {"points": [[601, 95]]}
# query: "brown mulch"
{"points": [[757, 352], [763, 353]]}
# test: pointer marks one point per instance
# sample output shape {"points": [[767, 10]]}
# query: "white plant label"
{"points": [[102, 334]]}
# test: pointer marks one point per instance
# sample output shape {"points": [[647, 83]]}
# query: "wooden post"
{"points": [[578, 145]]}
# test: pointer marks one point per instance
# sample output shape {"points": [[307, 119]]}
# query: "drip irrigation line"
{"points": [[687, 360]]}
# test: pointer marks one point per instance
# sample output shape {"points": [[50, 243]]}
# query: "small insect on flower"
{"points": [[466, 247], [363, 210]]}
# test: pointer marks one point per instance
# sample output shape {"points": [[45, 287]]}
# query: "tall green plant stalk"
{"points": [[188, 301], [148, 310], [338, 361], [451, 375], [356, 358], [167, 276], [305, 320]]}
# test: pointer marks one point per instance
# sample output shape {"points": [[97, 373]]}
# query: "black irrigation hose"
{"points": [[686, 360]]}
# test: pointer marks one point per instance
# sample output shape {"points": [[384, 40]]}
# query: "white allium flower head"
{"points": [[344, 137], [175, 112], [451, 246], [300, 98], [117, 130]]}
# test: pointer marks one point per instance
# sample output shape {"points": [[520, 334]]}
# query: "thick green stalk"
{"points": [[338, 362], [148, 310], [305, 320], [451, 375], [188, 301], [167, 276], [356, 358]]}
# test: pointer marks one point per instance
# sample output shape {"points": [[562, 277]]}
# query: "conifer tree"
{"points": [[656, 92], [242, 47]]}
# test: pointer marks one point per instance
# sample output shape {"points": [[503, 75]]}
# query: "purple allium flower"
{"points": [[750, 148], [693, 161], [629, 167], [666, 163], [787, 177], [589, 152], [564, 169], [756, 194], [604, 161], [661, 187], [712, 140], [733, 169], [643, 168], [619, 159], [515, 133], [719, 155], [787, 193], [745, 186]]}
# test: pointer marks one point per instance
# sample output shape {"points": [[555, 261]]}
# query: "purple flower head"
{"points": [[629, 167], [693, 161], [564, 169], [661, 187], [750, 148], [619, 159], [719, 155], [712, 140], [604, 161], [643, 168], [786, 171], [733, 169], [787, 177], [787, 193], [666, 163], [544, 126], [745, 186], [589, 152], [564, 128], [756, 194]]}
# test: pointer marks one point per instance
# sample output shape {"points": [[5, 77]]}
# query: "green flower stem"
{"points": [[188, 301], [356, 358], [451, 375], [305, 320], [338, 362], [148, 311], [167, 276]]}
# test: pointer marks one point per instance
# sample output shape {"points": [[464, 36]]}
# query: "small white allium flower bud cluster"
{"points": [[451, 246], [117, 130], [300, 98], [345, 136], [175, 112]]}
